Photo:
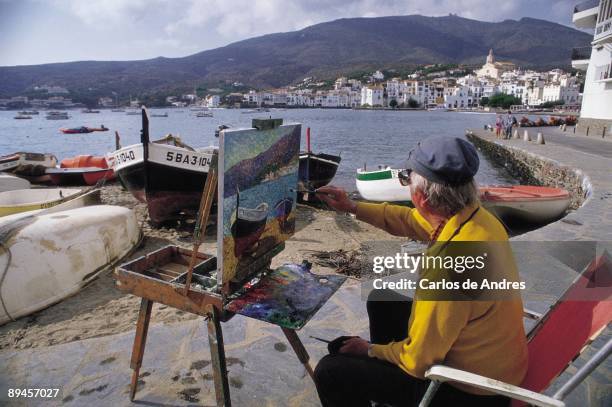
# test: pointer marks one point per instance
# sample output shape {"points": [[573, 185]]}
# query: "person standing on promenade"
{"points": [[509, 123], [498, 126], [408, 336]]}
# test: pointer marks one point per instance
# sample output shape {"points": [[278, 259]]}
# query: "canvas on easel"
{"points": [[258, 181], [258, 173]]}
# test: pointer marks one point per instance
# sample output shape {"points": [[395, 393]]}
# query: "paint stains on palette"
{"points": [[288, 296]]}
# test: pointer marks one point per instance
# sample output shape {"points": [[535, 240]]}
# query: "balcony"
{"points": [[581, 57], [585, 14], [603, 32]]}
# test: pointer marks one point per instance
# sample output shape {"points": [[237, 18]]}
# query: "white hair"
{"points": [[446, 200]]}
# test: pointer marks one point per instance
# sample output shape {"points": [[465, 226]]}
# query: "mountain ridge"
{"points": [[323, 50]]}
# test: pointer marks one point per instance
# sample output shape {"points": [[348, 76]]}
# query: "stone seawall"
{"points": [[532, 169]]}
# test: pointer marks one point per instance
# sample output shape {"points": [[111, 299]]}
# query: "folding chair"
{"points": [[574, 321]]}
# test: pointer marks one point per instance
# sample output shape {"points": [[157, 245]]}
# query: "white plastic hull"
{"points": [[11, 183], [71, 248]]}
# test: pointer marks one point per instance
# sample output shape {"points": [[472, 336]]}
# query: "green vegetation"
{"points": [[413, 103], [393, 104], [548, 105], [503, 100]]}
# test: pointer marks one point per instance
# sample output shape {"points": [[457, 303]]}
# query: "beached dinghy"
{"points": [[529, 203], [382, 185], [70, 249], [82, 170], [24, 200], [316, 169], [10, 182]]}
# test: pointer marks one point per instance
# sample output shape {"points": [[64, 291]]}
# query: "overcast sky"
{"points": [[42, 31]]}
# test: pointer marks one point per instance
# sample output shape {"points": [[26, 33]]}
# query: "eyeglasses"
{"points": [[404, 177]]}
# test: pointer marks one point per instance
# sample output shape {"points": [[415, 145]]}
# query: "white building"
{"points": [[212, 101], [596, 112], [372, 96]]}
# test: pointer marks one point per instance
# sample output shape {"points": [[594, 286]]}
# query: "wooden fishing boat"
{"points": [[24, 200], [316, 170], [31, 166], [166, 174], [81, 170], [10, 182], [381, 185], [83, 243], [530, 203], [80, 176]]}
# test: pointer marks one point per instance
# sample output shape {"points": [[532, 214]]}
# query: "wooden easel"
{"points": [[207, 304]]}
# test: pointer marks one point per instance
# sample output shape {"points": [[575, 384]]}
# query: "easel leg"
{"points": [[217, 353], [140, 339], [299, 349]]}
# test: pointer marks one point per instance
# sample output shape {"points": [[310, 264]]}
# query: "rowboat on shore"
{"points": [[10, 182], [23, 200], [529, 203], [84, 243], [316, 169], [81, 170], [533, 204], [381, 185]]}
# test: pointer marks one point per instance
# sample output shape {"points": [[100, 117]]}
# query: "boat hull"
{"points": [[10, 182], [317, 170], [381, 186], [528, 203], [84, 242], [170, 181], [80, 176], [25, 200]]}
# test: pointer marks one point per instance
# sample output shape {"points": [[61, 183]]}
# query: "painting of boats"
{"points": [[258, 176], [166, 174]]}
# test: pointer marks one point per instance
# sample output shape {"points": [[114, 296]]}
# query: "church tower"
{"points": [[490, 57]]}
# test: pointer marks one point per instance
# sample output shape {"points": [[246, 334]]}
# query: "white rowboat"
{"points": [[71, 248]]}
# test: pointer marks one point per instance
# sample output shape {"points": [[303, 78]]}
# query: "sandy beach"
{"points": [[100, 309]]}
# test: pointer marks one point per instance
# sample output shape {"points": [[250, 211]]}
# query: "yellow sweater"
{"points": [[482, 337]]}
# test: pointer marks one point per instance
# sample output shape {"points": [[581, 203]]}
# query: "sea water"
{"points": [[360, 137]]}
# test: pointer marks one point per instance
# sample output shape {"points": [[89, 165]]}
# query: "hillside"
{"points": [[324, 50]]}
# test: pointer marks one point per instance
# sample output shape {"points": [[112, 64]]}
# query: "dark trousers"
{"points": [[347, 380]]}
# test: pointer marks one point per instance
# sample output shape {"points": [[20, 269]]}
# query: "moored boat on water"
{"points": [[57, 116], [83, 129], [83, 243], [20, 116], [24, 200], [166, 174]]}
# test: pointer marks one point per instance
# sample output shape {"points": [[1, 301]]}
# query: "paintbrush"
{"points": [[310, 191], [320, 339]]}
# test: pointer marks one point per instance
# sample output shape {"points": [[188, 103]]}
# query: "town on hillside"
{"points": [[495, 84]]}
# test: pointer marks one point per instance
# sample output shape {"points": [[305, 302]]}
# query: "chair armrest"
{"points": [[527, 313], [441, 373]]}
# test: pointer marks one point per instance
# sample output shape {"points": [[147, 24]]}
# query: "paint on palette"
{"points": [[288, 296], [258, 175]]}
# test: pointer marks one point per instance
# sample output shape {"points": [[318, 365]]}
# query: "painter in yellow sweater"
{"points": [[482, 336]]}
